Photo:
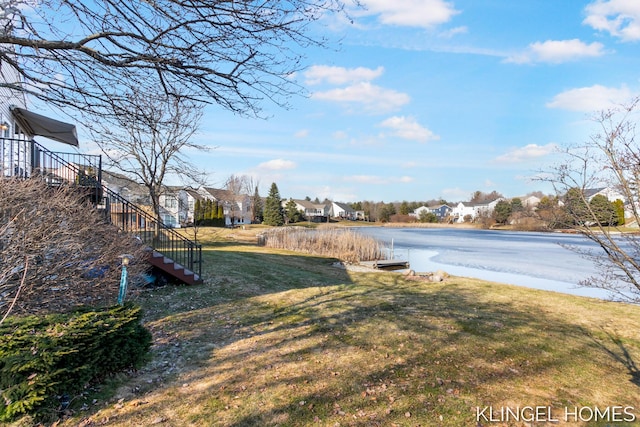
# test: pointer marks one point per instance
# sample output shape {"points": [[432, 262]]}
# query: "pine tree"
{"points": [[197, 212], [291, 211], [273, 212], [258, 212]]}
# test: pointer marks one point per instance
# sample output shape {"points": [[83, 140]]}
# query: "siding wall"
{"points": [[9, 97]]}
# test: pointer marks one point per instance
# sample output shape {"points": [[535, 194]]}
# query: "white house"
{"points": [[611, 194], [473, 210], [420, 211], [315, 212], [237, 208], [170, 207], [18, 126], [344, 211], [529, 202], [187, 198]]}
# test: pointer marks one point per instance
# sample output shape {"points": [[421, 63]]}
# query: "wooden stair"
{"points": [[174, 269]]}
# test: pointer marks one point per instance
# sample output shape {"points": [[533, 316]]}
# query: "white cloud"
{"points": [[557, 51], [374, 99], [453, 32], [620, 18], [378, 180], [411, 13], [277, 164], [318, 74], [302, 133], [590, 99], [409, 128], [528, 152]]}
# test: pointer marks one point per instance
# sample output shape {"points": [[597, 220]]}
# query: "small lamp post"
{"points": [[126, 258]]}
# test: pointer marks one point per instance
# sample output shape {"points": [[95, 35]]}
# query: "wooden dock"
{"points": [[386, 263]]}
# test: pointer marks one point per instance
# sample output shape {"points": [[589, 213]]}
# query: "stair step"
{"points": [[177, 270]]}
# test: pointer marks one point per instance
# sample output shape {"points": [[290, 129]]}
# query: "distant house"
{"points": [[611, 194], [344, 211], [529, 202], [440, 211], [170, 206], [129, 189], [314, 212], [472, 211], [236, 207], [187, 198], [420, 211]]}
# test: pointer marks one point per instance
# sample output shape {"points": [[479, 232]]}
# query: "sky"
{"points": [[430, 99]]}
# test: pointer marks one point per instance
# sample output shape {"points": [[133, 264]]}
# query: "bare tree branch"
{"points": [[611, 158], [147, 137], [57, 251], [78, 53]]}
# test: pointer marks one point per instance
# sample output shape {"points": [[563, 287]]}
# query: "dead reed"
{"points": [[341, 243]]}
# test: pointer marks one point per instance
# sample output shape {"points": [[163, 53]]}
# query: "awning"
{"points": [[36, 124]]}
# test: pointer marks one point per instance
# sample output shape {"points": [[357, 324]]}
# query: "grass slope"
{"points": [[275, 338]]}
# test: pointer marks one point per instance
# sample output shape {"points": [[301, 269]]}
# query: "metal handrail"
{"points": [[165, 240], [86, 171]]}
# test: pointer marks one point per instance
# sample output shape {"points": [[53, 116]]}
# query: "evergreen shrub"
{"points": [[43, 358]]}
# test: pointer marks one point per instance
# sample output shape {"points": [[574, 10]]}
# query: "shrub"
{"points": [[43, 358], [57, 251]]}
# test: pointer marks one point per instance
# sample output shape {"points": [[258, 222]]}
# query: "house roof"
{"points": [[309, 205], [120, 180], [224, 195], [194, 193], [589, 192], [344, 207]]}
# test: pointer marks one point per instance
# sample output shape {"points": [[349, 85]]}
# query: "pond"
{"points": [[535, 260]]}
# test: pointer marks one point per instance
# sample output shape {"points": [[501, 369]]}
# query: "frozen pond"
{"points": [[535, 260]]}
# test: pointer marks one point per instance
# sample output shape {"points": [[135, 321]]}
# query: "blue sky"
{"points": [[424, 99], [431, 99]]}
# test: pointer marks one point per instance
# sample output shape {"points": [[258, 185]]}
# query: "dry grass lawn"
{"points": [[282, 339]]}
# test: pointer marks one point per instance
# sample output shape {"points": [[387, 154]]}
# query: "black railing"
{"points": [[22, 158], [165, 240]]}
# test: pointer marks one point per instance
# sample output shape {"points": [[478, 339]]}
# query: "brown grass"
{"points": [[341, 243], [280, 339]]}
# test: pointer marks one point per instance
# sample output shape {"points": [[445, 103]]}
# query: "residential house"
{"points": [[610, 193], [529, 202], [187, 198], [169, 206], [19, 153], [442, 212], [472, 211], [129, 189], [420, 211], [314, 212], [236, 207], [344, 211]]}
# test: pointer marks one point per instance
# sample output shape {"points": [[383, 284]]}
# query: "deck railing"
{"points": [[27, 158], [144, 225]]}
